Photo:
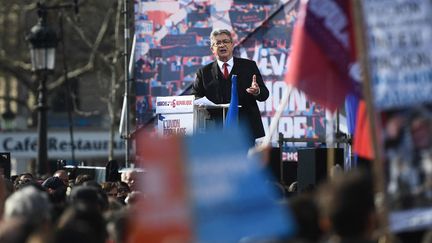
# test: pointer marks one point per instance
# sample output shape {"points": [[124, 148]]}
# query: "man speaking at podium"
{"points": [[214, 82]]}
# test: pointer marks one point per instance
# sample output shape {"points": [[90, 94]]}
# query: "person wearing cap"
{"points": [[57, 194], [52, 184], [63, 175]]}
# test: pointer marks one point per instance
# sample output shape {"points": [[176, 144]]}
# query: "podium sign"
{"points": [[175, 115], [175, 104], [183, 115]]}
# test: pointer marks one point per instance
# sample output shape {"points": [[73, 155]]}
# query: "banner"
{"points": [[170, 54], [408, 159], [399, 37], [204, 188]]}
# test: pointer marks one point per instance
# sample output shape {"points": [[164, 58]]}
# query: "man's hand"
{"points": [[254, 88]]}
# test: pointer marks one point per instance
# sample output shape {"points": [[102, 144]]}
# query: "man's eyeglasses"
{"points": [[222, 42]]}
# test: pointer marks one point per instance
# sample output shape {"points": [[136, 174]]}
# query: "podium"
{"points": [[183, 115]]}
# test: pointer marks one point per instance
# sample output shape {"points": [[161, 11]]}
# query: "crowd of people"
{"points": [[343, 209], [65, 208]]}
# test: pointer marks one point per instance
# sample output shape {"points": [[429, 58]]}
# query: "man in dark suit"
{"points": [[214, 82]]}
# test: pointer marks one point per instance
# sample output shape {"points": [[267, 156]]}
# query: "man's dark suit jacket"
{"points": [[210, 83]]}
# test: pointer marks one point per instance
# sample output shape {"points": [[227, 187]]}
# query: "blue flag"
{"points": [[231, 200], [232, 116]]}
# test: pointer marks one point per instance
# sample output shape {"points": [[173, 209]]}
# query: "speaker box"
{"points": [[284, 172], [312, 166], [289, 172], [274, 165], [5, 164]]}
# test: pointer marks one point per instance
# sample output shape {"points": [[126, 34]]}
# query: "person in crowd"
{"points": [[214, 82], [14, 178], [123, 191], [306, 215], [23, 179], [110, 188], [80, 179], [427, 237], [63, 175], [116, 226], [57, 194], [112, 171], [91, 196], [131, 178], [113, 205], [16, 230], [134, 197], [26, 176], [9, 187], [27, 213], [29, 203], [292, 189], [347, 209], [81, 223], [52, 184]]}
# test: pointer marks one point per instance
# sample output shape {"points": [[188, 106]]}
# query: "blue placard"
{"points": [[231, 200]]}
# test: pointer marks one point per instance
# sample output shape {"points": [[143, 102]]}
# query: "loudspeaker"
{"points": [[284, 172], [274, 165], [289, 172], [5, 164], [312, 166]]}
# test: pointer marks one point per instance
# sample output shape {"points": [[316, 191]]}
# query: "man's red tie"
{"points": [[225, 70]]}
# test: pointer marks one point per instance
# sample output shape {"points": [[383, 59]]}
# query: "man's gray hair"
{"points": [[28, 203], [217, 32]]}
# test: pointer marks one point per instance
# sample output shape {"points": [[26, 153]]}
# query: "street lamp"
{"points": [[43, 41]]}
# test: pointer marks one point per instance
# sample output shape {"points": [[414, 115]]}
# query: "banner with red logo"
{"points": [[173, 42]]}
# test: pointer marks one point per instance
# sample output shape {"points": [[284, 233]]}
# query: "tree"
{"points": [[91, 49]]}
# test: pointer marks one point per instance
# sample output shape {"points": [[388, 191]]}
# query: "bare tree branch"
{"points": [[99, 37], [71, 74], [117, 31], [20, 70], [94, 50], [81, 112]]}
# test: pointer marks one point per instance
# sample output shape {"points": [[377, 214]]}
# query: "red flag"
{"points": [[323, 52], [362, 144], [164, 214]]}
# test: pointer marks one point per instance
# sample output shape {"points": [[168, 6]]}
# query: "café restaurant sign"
{"points": [[86, 143]]}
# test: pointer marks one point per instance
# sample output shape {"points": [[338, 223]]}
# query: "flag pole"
{"points": [[378, 165], [330, 143], [265, 146], [273, 124]]}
